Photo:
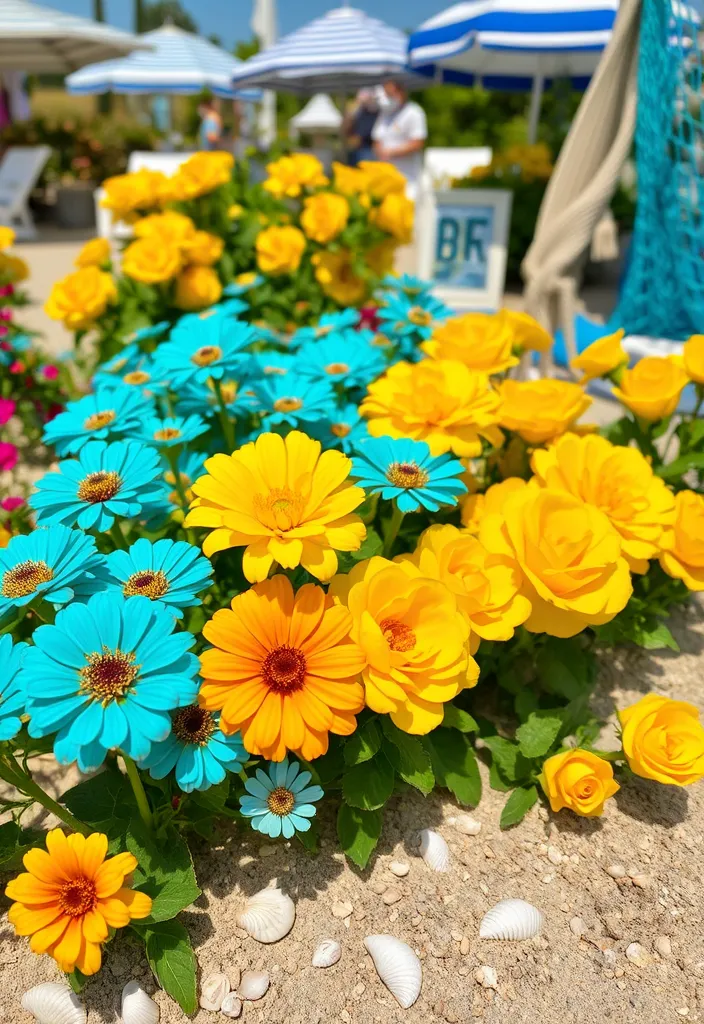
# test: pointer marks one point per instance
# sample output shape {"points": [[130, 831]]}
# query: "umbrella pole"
{"points": [[536, 101]]}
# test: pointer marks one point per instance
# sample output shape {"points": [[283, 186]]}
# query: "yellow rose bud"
{"points": [[200, 174], [280, 250], [663, 740], [381, 179], [7, 237], [235, 211], [693, 355], [171, 228], [126, 193], [601, 358], [81, 297], [291, 174], [652, 389], [526, 331], [246, 279], [196, 288], [481, 341], [13, 269], [334, 272], [682, 544], [578, 780], [395, 216], [203, 248], [95, 253], [324, 216], [539, 410], [151, 261]]}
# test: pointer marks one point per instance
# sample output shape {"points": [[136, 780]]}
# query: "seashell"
{"points": [[397, 966], [327, 953], [231, 1005], [268, 915], [137, 1006], [51, 1003], [213, 990], [253, 985], [486, 977], [434, 850], [511, 919]]}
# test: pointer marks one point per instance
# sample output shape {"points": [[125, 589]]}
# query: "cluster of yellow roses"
{"points": [[129, 195], [13, 269]]}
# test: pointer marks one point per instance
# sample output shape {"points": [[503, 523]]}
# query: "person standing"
{"points": [[358, 127], [400, 134], [210, 130]]}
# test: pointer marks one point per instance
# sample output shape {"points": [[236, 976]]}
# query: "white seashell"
{"points": [[51, 1003], [511, 919], [213, 990], [253, 985], [137, 1006], [397, 966], [434, 850], [268, 915], [231, 1005], [327, 953], [486, 977], [467, 825]]}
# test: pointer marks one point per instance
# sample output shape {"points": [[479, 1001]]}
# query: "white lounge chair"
{"points": [[19, 171], [167, 163]]}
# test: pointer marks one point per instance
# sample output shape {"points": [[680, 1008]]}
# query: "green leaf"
{"points": [[538, 733], [518, 805], [508, 758], [201, 809], [657, 639], [310, 839], [456, 718], [496, 781], [105, 802], [368, 785], [172, 960], [165, 871], [524, 703], [565, 668], [358, 832], [362, 744], [455, 765], [371, 545], [408, 756], [692, 460], [15, 842]]}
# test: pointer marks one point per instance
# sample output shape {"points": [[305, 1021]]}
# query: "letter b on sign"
{"points": [[448, 239]]}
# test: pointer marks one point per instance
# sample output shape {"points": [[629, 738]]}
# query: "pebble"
{"points": [[379, 887], [399, 868], [609, 957], [254, 985], [456, 935], [231, 1005], [663, 946], [464, 946], [616, 871], [342, 910], [391, 896], [467, 825], [554, 855], [327, 953], [577, 926], [267, 850], [637, 955], [642, 881], [486, 977], [360, 989]]}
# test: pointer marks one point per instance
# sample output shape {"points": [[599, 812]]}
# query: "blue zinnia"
{"points": [[12, 695], [150, 332], [209, 348], [410, 286], [239, 287], [197, 749], [170, 571], [201, 398], [292, 399], [125, 360], [170, 431], [281, 802], [105, 676], [329, 323], [406, 471], [106, 414], [401, 317], [55, 563], [105, 481], [270, 364], [140, 376], [345, 429], [221, 311], [341, 359]]}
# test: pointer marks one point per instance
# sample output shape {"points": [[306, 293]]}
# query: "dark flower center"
{"points": [[109, 675], [398, 635], [167, 434], [281, 801], [193, 725], [406, 474], [100, 486], [340, 429], [98, 420], [24, 578], [77, 897], [149, 582], [288, 404], [206, 355], [284, 669]]}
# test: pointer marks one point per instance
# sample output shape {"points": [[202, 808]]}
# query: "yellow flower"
{"points": [[539, 410], [282, 499], [5, 537], [479, 340], [13, 269], [335, 273], [578, 780], [235, 211], [380, 258], [682, 544], [395, 216], [573, 572], [693, 355], [151, 261], [663, 740], [652, 389], [200, 174], [382, 179], [413, 637], [95, 253], [280, 250], [348, 180], [527, 332], [171, 228], [601, 358], [474, 507], [7, 237], [81, 297], [324, 216], [196, 288], [291, 174], [486, 586], [127, 193], [619, 481], [71, 896], [203, 248], [437, 401], [246, 279]]}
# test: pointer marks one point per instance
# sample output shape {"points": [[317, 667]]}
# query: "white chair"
{"points": [[167, 163], [19, 171]]}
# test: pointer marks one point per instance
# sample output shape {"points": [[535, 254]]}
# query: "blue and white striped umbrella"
{"points": [[340, 52], [179, 62]]}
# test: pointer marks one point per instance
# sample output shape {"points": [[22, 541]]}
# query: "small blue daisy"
{"points": [[405, 471], [140, 376], [125, 360], [345, 429], [408, 285], [212, 348], [405, 318], [105, 676], [106, 414], [56, 563], [236, 288], [221, 311], [343, 358], [12, 695], [197, 750], [292, 399], [280, 803], [170, 571], [329, 323], [270, 364], [170, 431], [150, 332], [201, 399], [105, 481]]}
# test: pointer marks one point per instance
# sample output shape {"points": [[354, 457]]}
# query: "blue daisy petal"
{"points": [[279, 801]]}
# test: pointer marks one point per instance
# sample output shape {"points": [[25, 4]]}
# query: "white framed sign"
{"points": [[462, 241]]}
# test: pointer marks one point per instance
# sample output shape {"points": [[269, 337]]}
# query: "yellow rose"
{"points": [[578, 780], [95, 253], [479, 340], [474, 507], [235, 211], [652, 389], [13, 269], [395, 216], [5, 537], [291, 174], [151, 261], [619, 481], [382, 179], [380, 258], [81, 297], [335, 273], [127, 193], [601, 358], [348, 180], [7, 237], [196, 288], [574, 574], [200, 174], [693, 354], [280, 250], [682, 544], [324, 216], [527, 332], [171, 228], [663, 740], [539, 410], [203, 248]]}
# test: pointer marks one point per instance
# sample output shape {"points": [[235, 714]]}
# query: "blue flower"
{"points": [[270, 364], [405, 471], [17, 343], [12, 695], [197, 749], [343, 358], [106, 414], [150, 332], [222, 311], [140, 376], [56, 563], [345, 429], [170, 571], [292, 399], [402, 317], [170, 431], [105, 481], [123, 362], [329, 323], [280, 803], [201, 399], [410, 286], [240, 287], [208, 348], [106, 675]]}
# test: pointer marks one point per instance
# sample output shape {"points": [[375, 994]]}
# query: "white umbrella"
{"points": [[319, 115], [36, 38]]}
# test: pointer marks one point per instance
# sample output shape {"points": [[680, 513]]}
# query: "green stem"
{"points": [[118, 536], [172, 456], [11, 772], [140, 795], [392, 530], [14, 622], [226, 423]]}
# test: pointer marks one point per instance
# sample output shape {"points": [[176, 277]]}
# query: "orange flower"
{"points": [[71, 895], [283, 669]]}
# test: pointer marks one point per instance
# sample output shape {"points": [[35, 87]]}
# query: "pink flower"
{"points": [[16, 367], [5, 315], [4, 330], [368, 318], [50, 372], [8, 456], [7, 289], [10, 504], [7, 409]]}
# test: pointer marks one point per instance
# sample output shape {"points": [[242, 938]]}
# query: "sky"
{"points": [[230, 18]]}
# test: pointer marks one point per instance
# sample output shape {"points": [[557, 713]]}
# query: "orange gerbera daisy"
{"points": [[283, 669], [71, 895]]}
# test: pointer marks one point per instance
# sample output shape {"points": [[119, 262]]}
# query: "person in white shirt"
{"points": [[400, 134]]}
